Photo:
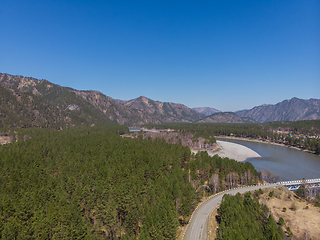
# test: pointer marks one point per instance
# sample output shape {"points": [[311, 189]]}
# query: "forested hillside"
{"points": [[27, 110], [164, 111], [40, 103], [242, 217], [44, 104], [90, 183]]}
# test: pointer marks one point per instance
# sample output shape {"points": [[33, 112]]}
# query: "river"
{"points": [[289, 163]]}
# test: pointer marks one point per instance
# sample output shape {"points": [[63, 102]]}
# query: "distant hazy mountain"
{"points": [[165, 111], [120, 101], [206, 110], [225, 117], [294, 109]]}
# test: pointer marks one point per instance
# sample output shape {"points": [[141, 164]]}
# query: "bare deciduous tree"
{"points": [[214, 181], [249, 175]]}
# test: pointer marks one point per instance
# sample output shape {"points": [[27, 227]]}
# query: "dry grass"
{"points": [[213, 225], [181, 229], [299, 218], [180, 232]]}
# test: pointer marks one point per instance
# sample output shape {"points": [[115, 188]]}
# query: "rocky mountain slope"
{"points": [[22, 109], [225, 117], [206, 110], [29, 102], [44, 104], [165, 111], [294, 109]]}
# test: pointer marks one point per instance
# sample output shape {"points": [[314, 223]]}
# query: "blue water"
{"points": [[290, 164]]}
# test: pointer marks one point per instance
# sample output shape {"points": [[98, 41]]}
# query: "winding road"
{"points": [[197, 228]]}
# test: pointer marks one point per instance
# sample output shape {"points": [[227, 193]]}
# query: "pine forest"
{"points": [[91, 183]]}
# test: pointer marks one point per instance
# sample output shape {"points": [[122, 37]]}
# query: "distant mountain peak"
{"points": [[165, 111], [206, 110], [225, 117], [40, 103], [294, 109]]}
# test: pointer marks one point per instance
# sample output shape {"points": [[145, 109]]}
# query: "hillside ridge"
{"points": [[294, 109], [30, 102], [64, 107]]}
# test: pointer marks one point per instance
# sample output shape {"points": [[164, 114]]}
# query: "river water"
{"points": [[289, 163]]}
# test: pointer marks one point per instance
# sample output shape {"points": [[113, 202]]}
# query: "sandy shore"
{"points": [[233, 151], [272, 143]]}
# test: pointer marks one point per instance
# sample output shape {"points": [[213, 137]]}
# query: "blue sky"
{"points": [[229, 55]]}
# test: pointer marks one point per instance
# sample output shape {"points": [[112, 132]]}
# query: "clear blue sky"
{"points": [[229, 55]]}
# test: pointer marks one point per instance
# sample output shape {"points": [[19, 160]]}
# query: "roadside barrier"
{"points": [[214, 195]]}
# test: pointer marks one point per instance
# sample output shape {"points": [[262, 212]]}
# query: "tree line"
{"points": [[300, 134]]}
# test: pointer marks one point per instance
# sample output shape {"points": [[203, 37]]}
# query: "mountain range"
{"points": [[226, 117], [294, 109], [29, 102]]}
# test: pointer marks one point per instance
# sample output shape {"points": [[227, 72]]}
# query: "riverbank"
{"points": [[272, 143], [234, 151]]}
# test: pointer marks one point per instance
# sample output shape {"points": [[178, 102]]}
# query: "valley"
{"points": [[96, 183]]}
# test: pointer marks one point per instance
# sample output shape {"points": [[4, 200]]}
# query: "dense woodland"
{"points": [[91, 183], [242, 217], [296, 134]]}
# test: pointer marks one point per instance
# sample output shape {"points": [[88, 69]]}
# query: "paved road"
{"points": [[198, 226]]}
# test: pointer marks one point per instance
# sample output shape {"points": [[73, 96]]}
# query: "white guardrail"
{"points": [[225, 191], [214, 195], [299, 181]]}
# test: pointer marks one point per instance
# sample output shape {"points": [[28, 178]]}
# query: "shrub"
{"points": [[271, 194], [281, 221], [293, 207], [260, 191], [284, 209], [289, 232]]}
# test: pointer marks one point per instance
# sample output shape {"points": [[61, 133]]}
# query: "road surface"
{"points": [[198, 225]]}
